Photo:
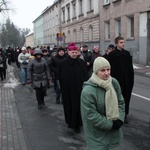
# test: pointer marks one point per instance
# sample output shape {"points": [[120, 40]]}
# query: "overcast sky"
{"points": [[27, 11]]}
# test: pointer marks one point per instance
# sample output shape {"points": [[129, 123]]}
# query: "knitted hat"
{"points": [[100, 63], [72, 47], [23, 48]]}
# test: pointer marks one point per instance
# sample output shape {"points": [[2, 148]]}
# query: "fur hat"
{"points": [[100, 63], [61, 49], [72, 46]]}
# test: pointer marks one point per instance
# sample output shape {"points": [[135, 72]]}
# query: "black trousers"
{"points": [[2, 73], [40, 93]]}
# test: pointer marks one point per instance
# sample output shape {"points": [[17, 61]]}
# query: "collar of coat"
{"points": [[73, 61], [120, 52]]}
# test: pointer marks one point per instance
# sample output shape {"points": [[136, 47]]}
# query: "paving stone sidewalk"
{"points": [[11, 135]]}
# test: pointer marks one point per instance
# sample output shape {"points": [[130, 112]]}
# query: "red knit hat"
{"points": [[72, 47]]}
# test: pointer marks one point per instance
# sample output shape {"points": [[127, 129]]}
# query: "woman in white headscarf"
{"points": [[102, 108]]}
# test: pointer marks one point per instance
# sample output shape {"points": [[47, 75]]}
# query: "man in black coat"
{"points": [[122, 69], [72, 74], [88, 59], [54, 66]]}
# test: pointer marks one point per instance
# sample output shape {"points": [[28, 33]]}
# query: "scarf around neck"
{"points": [[111, 100]]}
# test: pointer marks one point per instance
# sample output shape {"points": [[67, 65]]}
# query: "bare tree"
{"points": [[5, 6]]}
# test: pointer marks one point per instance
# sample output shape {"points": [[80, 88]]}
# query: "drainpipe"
{"points": [[99, 22], [60, 23]]}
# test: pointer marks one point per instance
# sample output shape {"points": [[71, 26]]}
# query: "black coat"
{"points": [[55, 63], [122, 70], [3, 60], [72, 75]]}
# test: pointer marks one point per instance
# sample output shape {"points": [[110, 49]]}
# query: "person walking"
{"points": [[72, 74], [110, 48], [87, 55], [102, 108], [54, 65], [3, 65], [23, 59], [38, 74], [122, 69]]}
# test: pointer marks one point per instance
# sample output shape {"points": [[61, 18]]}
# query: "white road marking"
{"points": [[143, 97]]}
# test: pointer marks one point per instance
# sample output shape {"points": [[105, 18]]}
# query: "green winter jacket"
{"points": [[97, 128]]}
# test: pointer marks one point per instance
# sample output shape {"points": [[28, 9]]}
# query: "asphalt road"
{"points": [[46, 129]]}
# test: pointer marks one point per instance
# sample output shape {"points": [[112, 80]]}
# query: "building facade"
{"points": [[129, 19], [98, 22], [38, 31], [80, 21], [30, 40]]}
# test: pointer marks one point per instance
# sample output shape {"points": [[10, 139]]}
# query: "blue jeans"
{"points": [[24, 75], [58, 91]]}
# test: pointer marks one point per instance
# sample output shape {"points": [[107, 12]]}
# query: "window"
{"points": [[107, 30], [118, 27], [74, 35], [69, 36], [90, 5], [68, 11], [63, 13], [90, 33], [130, 27], [56, 20], [81, 34], [106, 2], [80, 7], [74, 9]]}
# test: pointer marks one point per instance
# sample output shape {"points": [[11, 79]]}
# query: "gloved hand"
{"points": [[117, 124]]}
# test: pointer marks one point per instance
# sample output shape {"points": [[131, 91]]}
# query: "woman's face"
{"points": [[104, 73]]}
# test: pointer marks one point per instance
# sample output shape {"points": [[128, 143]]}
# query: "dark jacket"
{"points": [[38, 72], [88, 58], [122, 70], [3, 60], [55, 63], [72, 75]]}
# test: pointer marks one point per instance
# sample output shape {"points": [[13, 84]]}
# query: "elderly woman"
{"points": [[38, 73], [102, 108]]}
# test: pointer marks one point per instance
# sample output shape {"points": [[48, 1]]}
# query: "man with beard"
{"points": [[72, 74]]}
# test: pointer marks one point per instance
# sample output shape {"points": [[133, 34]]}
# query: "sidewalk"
{"points": [[11, 135]]}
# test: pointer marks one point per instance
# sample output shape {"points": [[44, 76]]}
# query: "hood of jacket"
{"points": [[38, 51]]}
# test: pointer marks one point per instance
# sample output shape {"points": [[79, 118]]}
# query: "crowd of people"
{"points": [[95, 89]]}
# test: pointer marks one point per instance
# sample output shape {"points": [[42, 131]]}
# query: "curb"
{"points": [[11, 133]]}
